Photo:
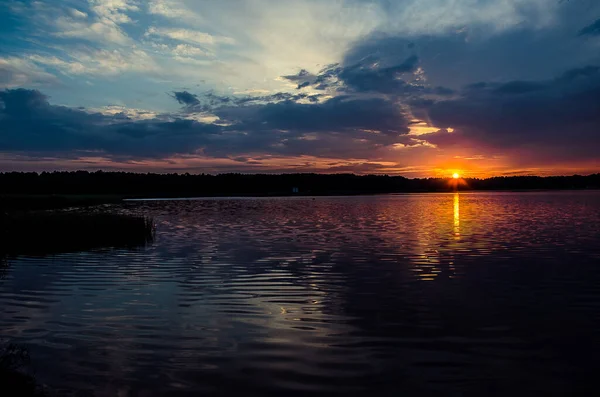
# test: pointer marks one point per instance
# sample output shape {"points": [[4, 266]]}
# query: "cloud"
{"points": [[427, 17], [29, 123], [173, 9], [97, 21], [337, 128], [97, 31], [556, 118], [185, 98], [189, 36], [114, 10], [186, 50], [354, 79], [129, 113], [18, 72], [58, 63], [370, 75], [102, 62], [102, 26], [210, 101], [340, 127], [592, 29], [75, 13], [378, 116], [518, 87]]}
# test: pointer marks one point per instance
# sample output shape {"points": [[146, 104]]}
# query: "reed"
{"points": [[41, 233], [15, 381]]}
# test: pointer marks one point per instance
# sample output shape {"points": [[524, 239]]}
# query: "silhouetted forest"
{"points": [[125, 184]]}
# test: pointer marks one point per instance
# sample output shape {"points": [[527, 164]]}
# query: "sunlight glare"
{"points": [[456, 215], [455, 175]]}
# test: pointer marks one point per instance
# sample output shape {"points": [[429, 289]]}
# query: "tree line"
{"points": [[169, 185]]}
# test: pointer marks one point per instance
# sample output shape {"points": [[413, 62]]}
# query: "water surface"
{"points": [[464, 294]]}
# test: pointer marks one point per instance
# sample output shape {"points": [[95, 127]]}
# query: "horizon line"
{"points": [[292, 174]]}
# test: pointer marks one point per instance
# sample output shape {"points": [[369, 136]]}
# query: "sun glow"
{"points": [[455, 175]]}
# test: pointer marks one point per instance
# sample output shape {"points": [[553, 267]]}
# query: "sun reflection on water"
{"points": [[456, 216]]}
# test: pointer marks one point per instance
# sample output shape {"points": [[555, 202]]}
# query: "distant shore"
{"points": [[57, 190], [59, 202], [54, 201]]}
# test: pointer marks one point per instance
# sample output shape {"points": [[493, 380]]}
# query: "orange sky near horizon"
{"points": [[438, 166]]}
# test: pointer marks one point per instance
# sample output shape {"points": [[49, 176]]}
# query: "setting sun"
{"points": [[455, 176]]}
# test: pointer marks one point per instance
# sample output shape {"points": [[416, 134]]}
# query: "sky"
{"points": [[419, 88]]}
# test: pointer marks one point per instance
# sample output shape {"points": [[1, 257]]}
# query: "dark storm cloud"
{"points": [[336, 115], [303, 78], [29, 123], [465, 56], [519, 87], [338, 127], [592, 29], [376, 66], [370, 74], [208, 101], [560, 117], [185, 98], [274, 98]]}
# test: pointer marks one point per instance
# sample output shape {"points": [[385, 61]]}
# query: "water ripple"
{"points": [[414, 294]]}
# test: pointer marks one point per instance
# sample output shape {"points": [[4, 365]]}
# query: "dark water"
{"points": [[494, 294]]}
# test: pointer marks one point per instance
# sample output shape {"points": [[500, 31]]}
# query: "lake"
{"points": [[469, 294]]}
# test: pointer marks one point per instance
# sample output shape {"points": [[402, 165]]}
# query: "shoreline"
{"points": [[42, 202], [358, 194]]}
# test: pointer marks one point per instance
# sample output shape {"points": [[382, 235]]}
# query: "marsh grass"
{"points": [[47, 233], [43, 233], [14, 378], [29, 202], [3, 265]]}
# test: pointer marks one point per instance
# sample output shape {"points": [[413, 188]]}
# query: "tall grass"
{"points": [[14, 380], [3, 265], [41, 233], [29, 202], [44, 233]]}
